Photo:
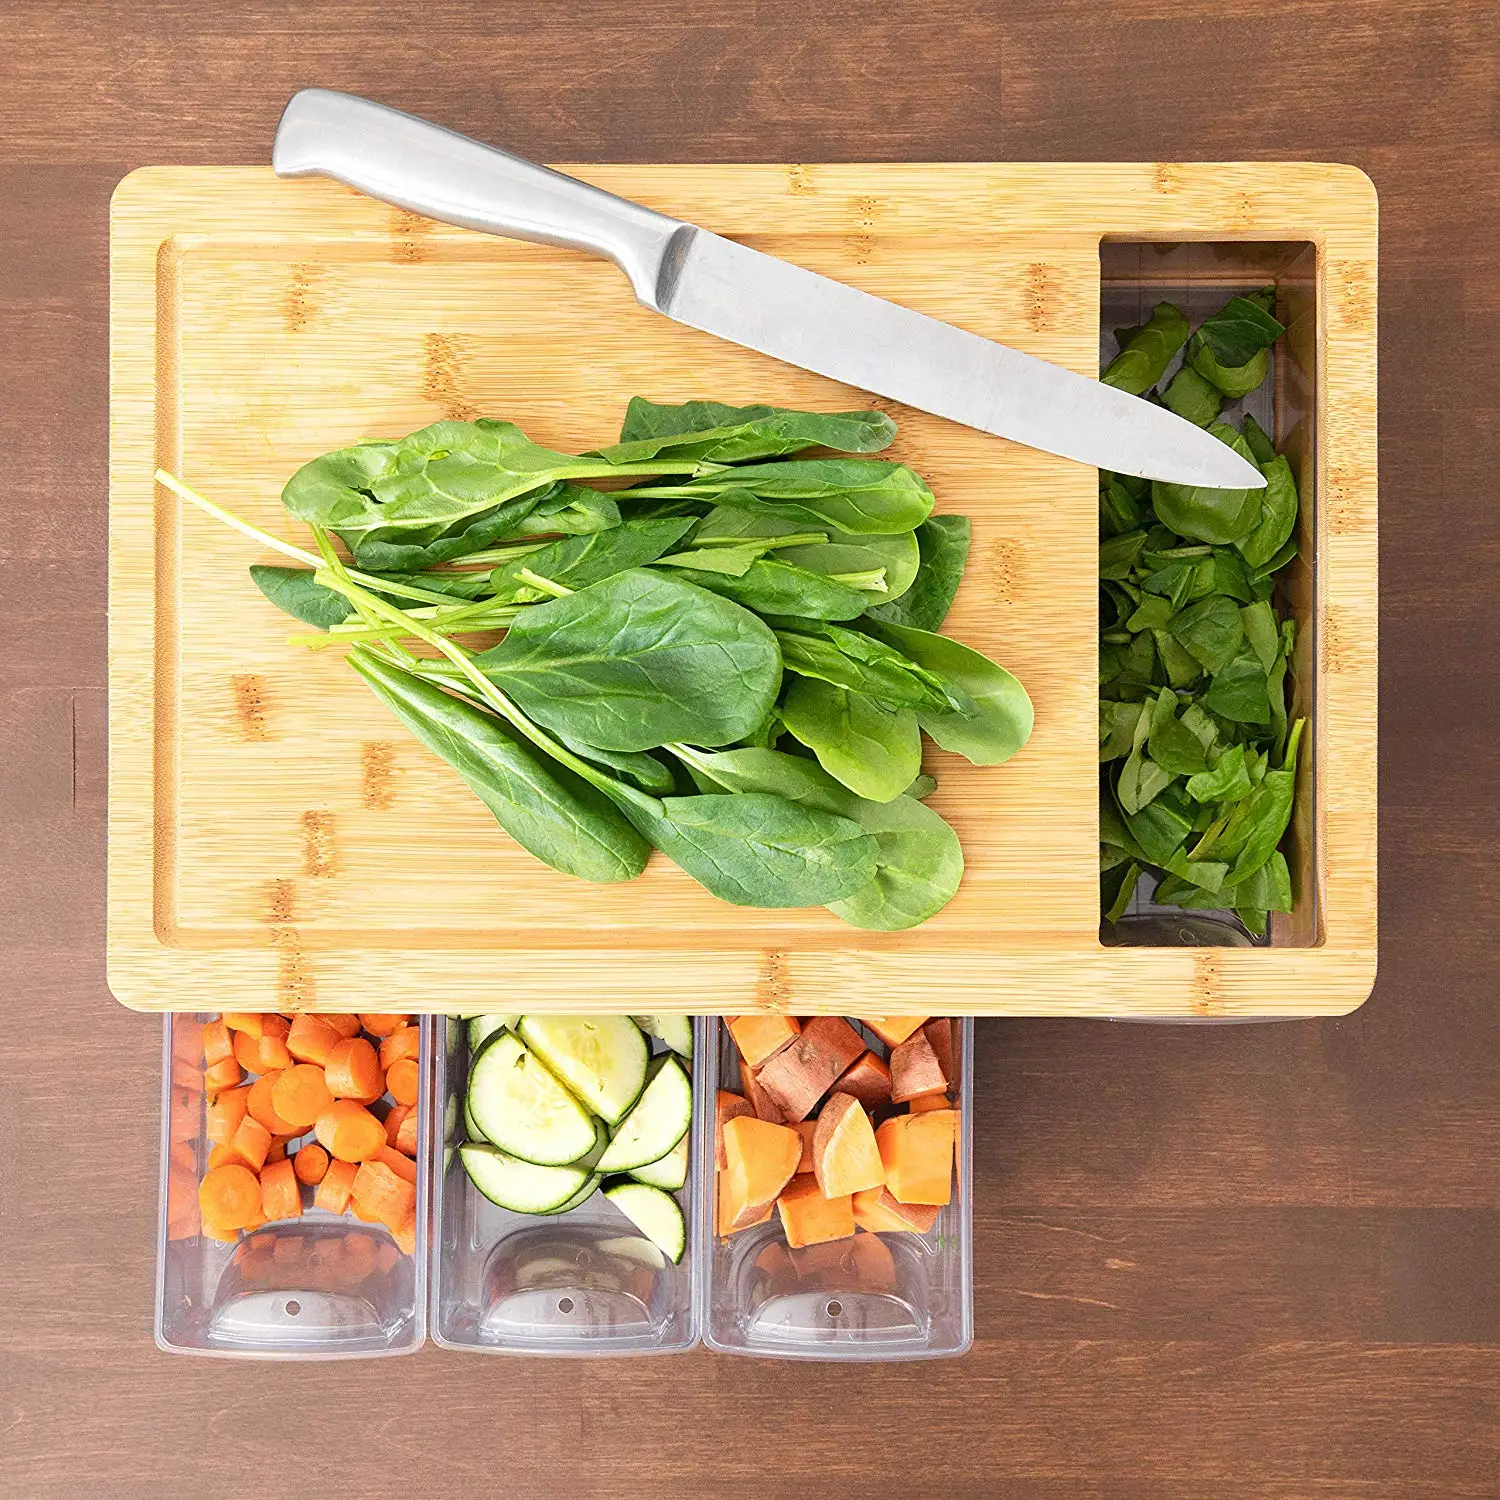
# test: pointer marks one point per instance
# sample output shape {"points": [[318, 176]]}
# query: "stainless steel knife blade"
{"points": [[749, 298]]}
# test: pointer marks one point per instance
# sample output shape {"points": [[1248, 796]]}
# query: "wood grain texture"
{"points": [[255, 323], [1311, 1207]]}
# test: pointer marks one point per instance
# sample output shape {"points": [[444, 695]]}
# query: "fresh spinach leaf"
{"points": [[1117, 888], [1210, 631], [1171, 744], [1239, 691], [919, 865], [1256, 439], [732, 434], [578, 561], [1193, 397], [1233, 381], [772, 586], [1227, 780], [1210, 515], [863, 664], [874, 750], [943, 542], [1278, 515], [1241, 329], [1144, 358]]}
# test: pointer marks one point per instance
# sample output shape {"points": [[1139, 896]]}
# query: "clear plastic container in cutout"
{"points": [[322, 1286], [835, 1301], [580, 1283]]}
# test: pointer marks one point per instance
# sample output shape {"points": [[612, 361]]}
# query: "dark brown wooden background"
{"points": [[1245, 1261]]}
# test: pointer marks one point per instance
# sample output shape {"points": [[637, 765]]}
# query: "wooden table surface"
{"points": [[1246, 1261]]}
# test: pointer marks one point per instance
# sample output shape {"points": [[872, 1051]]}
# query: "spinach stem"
{"points": [[546, 585]]}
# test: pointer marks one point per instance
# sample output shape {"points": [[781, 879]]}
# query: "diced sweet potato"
{"points": [[917, 1151], [845, 1156], [915, 1069], [940, 1034], [877, 1210], [762, 1037], [797, 1077], [807, 1129], [727, 1107], [868, 1079], [764, 1106], [892, 1030], [924, 1102], [808, 1218], [733, 1217], [759, 1160]]}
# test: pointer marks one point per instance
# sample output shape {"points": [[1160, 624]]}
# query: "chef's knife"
{"points": [[723, 288]]}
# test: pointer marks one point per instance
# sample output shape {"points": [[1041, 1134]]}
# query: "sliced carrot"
{"points": [[402, 1166], [229, 1196], [382, 1025], [247, 1051], [406, 1136], [276, 1151], [183, 1216], [353, 1071], [280, 1198], [223, 1156], [271, 1055], [250, 1142], [379, 1191], [333, 1191], [924, 1102], [222, 1117], [300, 1095], [229, 1236], [222, 1075], [406, 1236], [343, 1022], [184, 1111], [310, 1164], [360, 1211], [262, 1108], [405, 1041], [187, 1039], [394, 1118], [181, 1155], [349, 1131], [274, 1025], [246, 1021], [361, 1255], [401, 1079], [760, 1038], [187, 1075], [218, 1045], [311, 1039]]}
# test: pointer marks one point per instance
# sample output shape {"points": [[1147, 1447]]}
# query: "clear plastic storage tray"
{"points": [[836, 1301], [584, 1282], [318, 1287]]}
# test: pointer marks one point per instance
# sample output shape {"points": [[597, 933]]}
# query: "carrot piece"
{"points": [[760, 1159], [799, 1076], [382, 1025], [761, 1102], [276, 1151], [876, 1209], [917, 1151], [386, 1256], [333, 1191], [222, 1117], [247, 1021], [221, 1076], [223, 1156], [845, 1157], [183, 1114], [406, 1236], [229, 1236], [379, 1191], [300, 1095], [402, 1166], [229, 1196], [401, 1079], [343, 1022], [274, 1025], [183, 1216], [187, 1075], [361, 1255], [915, 1069], [353, 1071], [808, 1218], [394, 1119], [181, 1155], [247, 1051], [760, 1038], [310, 1164], [218, 1045], [280, 1197], [405, 1041], [187, 1039], [924, 1102], [271, 1055], [868, 1079], [892, 1030], [311, 1039], [728, 1106], [251, 1141], [349, 1131], [807, 1129], [263, 1109], [360, 1211]]}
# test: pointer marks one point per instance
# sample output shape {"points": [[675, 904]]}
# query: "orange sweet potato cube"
{"points": [[762, 1037], [807, 1129], [764, 1107], [868, 1079], [759, 1160], [940, 1037], [734, 1216], [845, 1156], [915, 1069], [917, 1151], [799, 1075], [808, 1218], [892, 1030], [875, 1209], [924, 1102], [727, 1106]]}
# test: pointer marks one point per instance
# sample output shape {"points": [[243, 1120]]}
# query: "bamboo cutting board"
{"points": [[277, 841]]}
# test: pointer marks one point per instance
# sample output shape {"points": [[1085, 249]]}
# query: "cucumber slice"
{"points": [[653, 1212], [582, 1196], [471, 1130], [632, 1247], [658, 1121], [675, 1031], [669, 1171], [601, 1058], [482, 1028], [521, 1186], [520, 1107]]}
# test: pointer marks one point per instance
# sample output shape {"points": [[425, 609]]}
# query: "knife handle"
{"points": [[436, 172]]}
